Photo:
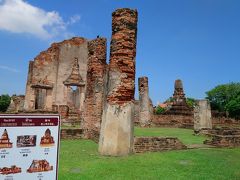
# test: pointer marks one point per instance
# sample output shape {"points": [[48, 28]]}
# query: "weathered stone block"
{"points": [[202, 115]]}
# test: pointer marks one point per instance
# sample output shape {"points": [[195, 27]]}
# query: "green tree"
{"points": [[233, 107], [5, 100], [225, 98], [159, 110], [191, 102]]}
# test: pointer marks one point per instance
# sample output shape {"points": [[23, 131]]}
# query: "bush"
{"points": [[5, 100], [159, 110]]}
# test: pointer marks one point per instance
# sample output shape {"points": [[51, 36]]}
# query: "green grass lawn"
{"points": [[79, 159], [184, 135]]}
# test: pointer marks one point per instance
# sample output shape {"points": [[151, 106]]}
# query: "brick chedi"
{"points": [[96, 76], [144, 109], [179, 106], [116, 136]]}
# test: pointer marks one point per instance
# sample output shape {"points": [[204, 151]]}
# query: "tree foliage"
{"points": [[159, 110], [226, 97], [191, 102], [5, 100]]}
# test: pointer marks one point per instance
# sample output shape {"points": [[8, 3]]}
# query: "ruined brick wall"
{"points": [[95, 87], [145, 109], [224, 137], [224, 121], [50, 69], [122, 57], [180, 121], [155, 144], [71, 134]]}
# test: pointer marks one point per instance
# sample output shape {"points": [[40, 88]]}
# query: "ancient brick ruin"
{"points": [[156, 144], [69, 78], [223, 137], [72, 78], [178, 114], [116, 137], [145, 105], [57, 78], [96, 80], [179, 105]]}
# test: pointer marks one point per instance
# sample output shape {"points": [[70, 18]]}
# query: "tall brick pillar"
{"points": [[144, 109], [116, 136], [95, 88]]}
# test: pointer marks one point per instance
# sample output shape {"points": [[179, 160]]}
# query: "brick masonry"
{"points": [[224, 137], [122, 57], [180, 121], [71, 133], [155, 144], [116, 137], [96, 80]]}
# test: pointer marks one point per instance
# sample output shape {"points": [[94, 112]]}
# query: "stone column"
{"points": [[202, 115], [144, 110], [116, 136], [95, 88]]}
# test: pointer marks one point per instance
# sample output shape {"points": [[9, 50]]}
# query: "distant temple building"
{"points": [[179, 104], [5, 141]]}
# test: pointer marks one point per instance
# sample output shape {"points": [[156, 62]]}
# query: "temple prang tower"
{"points": [[116, 136]]}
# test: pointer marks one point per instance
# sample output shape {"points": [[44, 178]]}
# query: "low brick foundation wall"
{"points": [[155, 144], [224, 137], [223, 121], [71, 133], [178, 121]]}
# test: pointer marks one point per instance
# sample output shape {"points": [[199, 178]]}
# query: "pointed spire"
{"points": [[75, 78]]}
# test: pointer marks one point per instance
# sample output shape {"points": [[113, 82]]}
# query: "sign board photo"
{"points": [[29, 147]]}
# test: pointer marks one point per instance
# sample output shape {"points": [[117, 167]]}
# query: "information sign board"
{"points": [[29, 147]]}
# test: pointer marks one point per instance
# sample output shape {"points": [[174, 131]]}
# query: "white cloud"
{"points": [[9, 68], [18, 16], [74, 19]]}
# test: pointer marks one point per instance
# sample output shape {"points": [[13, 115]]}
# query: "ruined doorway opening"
{"points": [[40, 98], [74, 97]]}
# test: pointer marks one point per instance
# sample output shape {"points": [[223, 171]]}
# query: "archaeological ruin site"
{"points": [[73, 78]]}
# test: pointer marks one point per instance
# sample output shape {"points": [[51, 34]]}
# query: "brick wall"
{"points": [[71, 133], [155, 144], [182, 121], [95, 87], [224, 137]]}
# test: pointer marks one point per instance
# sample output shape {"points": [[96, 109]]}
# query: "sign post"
{"points": [[29, 147]]}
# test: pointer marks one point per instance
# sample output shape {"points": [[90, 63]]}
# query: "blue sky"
{"points": [[197, 41]]}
